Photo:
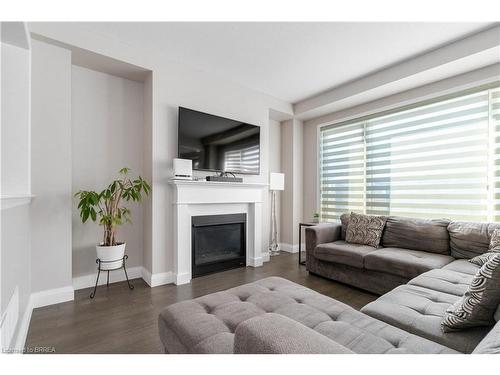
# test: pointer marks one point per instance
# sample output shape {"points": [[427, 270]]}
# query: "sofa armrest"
{"points": [[276, 334], [322, 233]]}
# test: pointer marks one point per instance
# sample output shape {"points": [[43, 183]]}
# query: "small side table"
{"points": [[100, 262], [306, 224]]}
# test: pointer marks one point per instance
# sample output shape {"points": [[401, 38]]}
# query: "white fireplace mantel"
{"points": [[194, 198]]}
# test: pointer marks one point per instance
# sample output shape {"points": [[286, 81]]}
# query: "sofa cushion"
{"points": [[343, 252], [469, 239], [442, 280], [462, 266], [417, 234], [189, 324], [491, 343], [480, 301], [404, 262], [365, 229], [420, 310]]}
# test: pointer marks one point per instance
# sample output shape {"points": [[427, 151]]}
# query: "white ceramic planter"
{"points": [[111, 256]]}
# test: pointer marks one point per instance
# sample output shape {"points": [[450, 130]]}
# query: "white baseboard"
{"points": [[88, 281], [24, 326], [182, 278], [52, 296], [157, 279], [266, 257], [39, 299], [289, 248], [255, 262]]}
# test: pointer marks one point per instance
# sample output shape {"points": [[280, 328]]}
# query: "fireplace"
{"points": [[218, 243]]}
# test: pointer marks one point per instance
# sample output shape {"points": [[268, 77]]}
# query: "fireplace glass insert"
{"points": [[218, 243]]}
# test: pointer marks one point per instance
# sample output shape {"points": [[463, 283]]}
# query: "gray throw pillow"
{"points": [[494, 248], [478, 304], [365, 229]]}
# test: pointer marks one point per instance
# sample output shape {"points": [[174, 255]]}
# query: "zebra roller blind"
{"points": [[435, 160]]}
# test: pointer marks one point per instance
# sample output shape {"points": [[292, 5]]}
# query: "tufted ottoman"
{"points": [[259, 318]]}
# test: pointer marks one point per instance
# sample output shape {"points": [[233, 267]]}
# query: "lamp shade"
{"points": [[276, 181]]}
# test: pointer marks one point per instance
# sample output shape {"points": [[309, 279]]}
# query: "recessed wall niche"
{"points": [[110, 129]]}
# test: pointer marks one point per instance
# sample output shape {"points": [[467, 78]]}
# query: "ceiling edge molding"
{"points": [[443, 87], [475, 44]]}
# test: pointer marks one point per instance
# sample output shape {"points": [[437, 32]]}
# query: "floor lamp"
{"points": [[276, 183]]}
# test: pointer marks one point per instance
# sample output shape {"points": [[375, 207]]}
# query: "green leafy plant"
{"points": [[106, 207], [316, 215]]}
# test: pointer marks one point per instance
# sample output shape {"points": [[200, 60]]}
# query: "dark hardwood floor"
{"points": [[119, 320]]}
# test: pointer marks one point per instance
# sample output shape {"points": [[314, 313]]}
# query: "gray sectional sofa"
{"points": [[422, 268]]}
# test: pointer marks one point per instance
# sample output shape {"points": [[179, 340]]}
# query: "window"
{"points": [[439, 159]]}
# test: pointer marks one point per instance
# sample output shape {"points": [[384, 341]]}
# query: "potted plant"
{"points": [[316, 217], [106, 208]]}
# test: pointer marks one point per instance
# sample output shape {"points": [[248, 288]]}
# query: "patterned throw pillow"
{"points": [[495, 241], [478, 304], [365, 229], [494, 248]]}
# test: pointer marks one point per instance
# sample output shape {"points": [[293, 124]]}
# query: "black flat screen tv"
{"points": [[218, 144]]}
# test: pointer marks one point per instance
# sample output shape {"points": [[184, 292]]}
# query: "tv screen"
{"points": [[216, 143]]}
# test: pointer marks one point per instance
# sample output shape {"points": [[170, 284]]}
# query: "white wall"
{"points": [[16, 264], [310, 157], [147, 160], [15, 147], [275, 166], [51, 167], [107, 119], [175, 85], [15, 255], [292, 198]]}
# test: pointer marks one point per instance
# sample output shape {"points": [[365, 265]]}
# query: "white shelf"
{"points": [[9, 201]]}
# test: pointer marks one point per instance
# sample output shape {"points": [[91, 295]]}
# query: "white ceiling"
{"points": [[290, 61]]}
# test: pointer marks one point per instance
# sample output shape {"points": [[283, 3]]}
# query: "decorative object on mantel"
{"points": [[316, 218], [276, 183], [183, 169], [224, 177], [106, 206]]}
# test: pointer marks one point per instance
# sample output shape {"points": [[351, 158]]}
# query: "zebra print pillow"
{"points": [[493, 249], [478, 304], [365, 229]]}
